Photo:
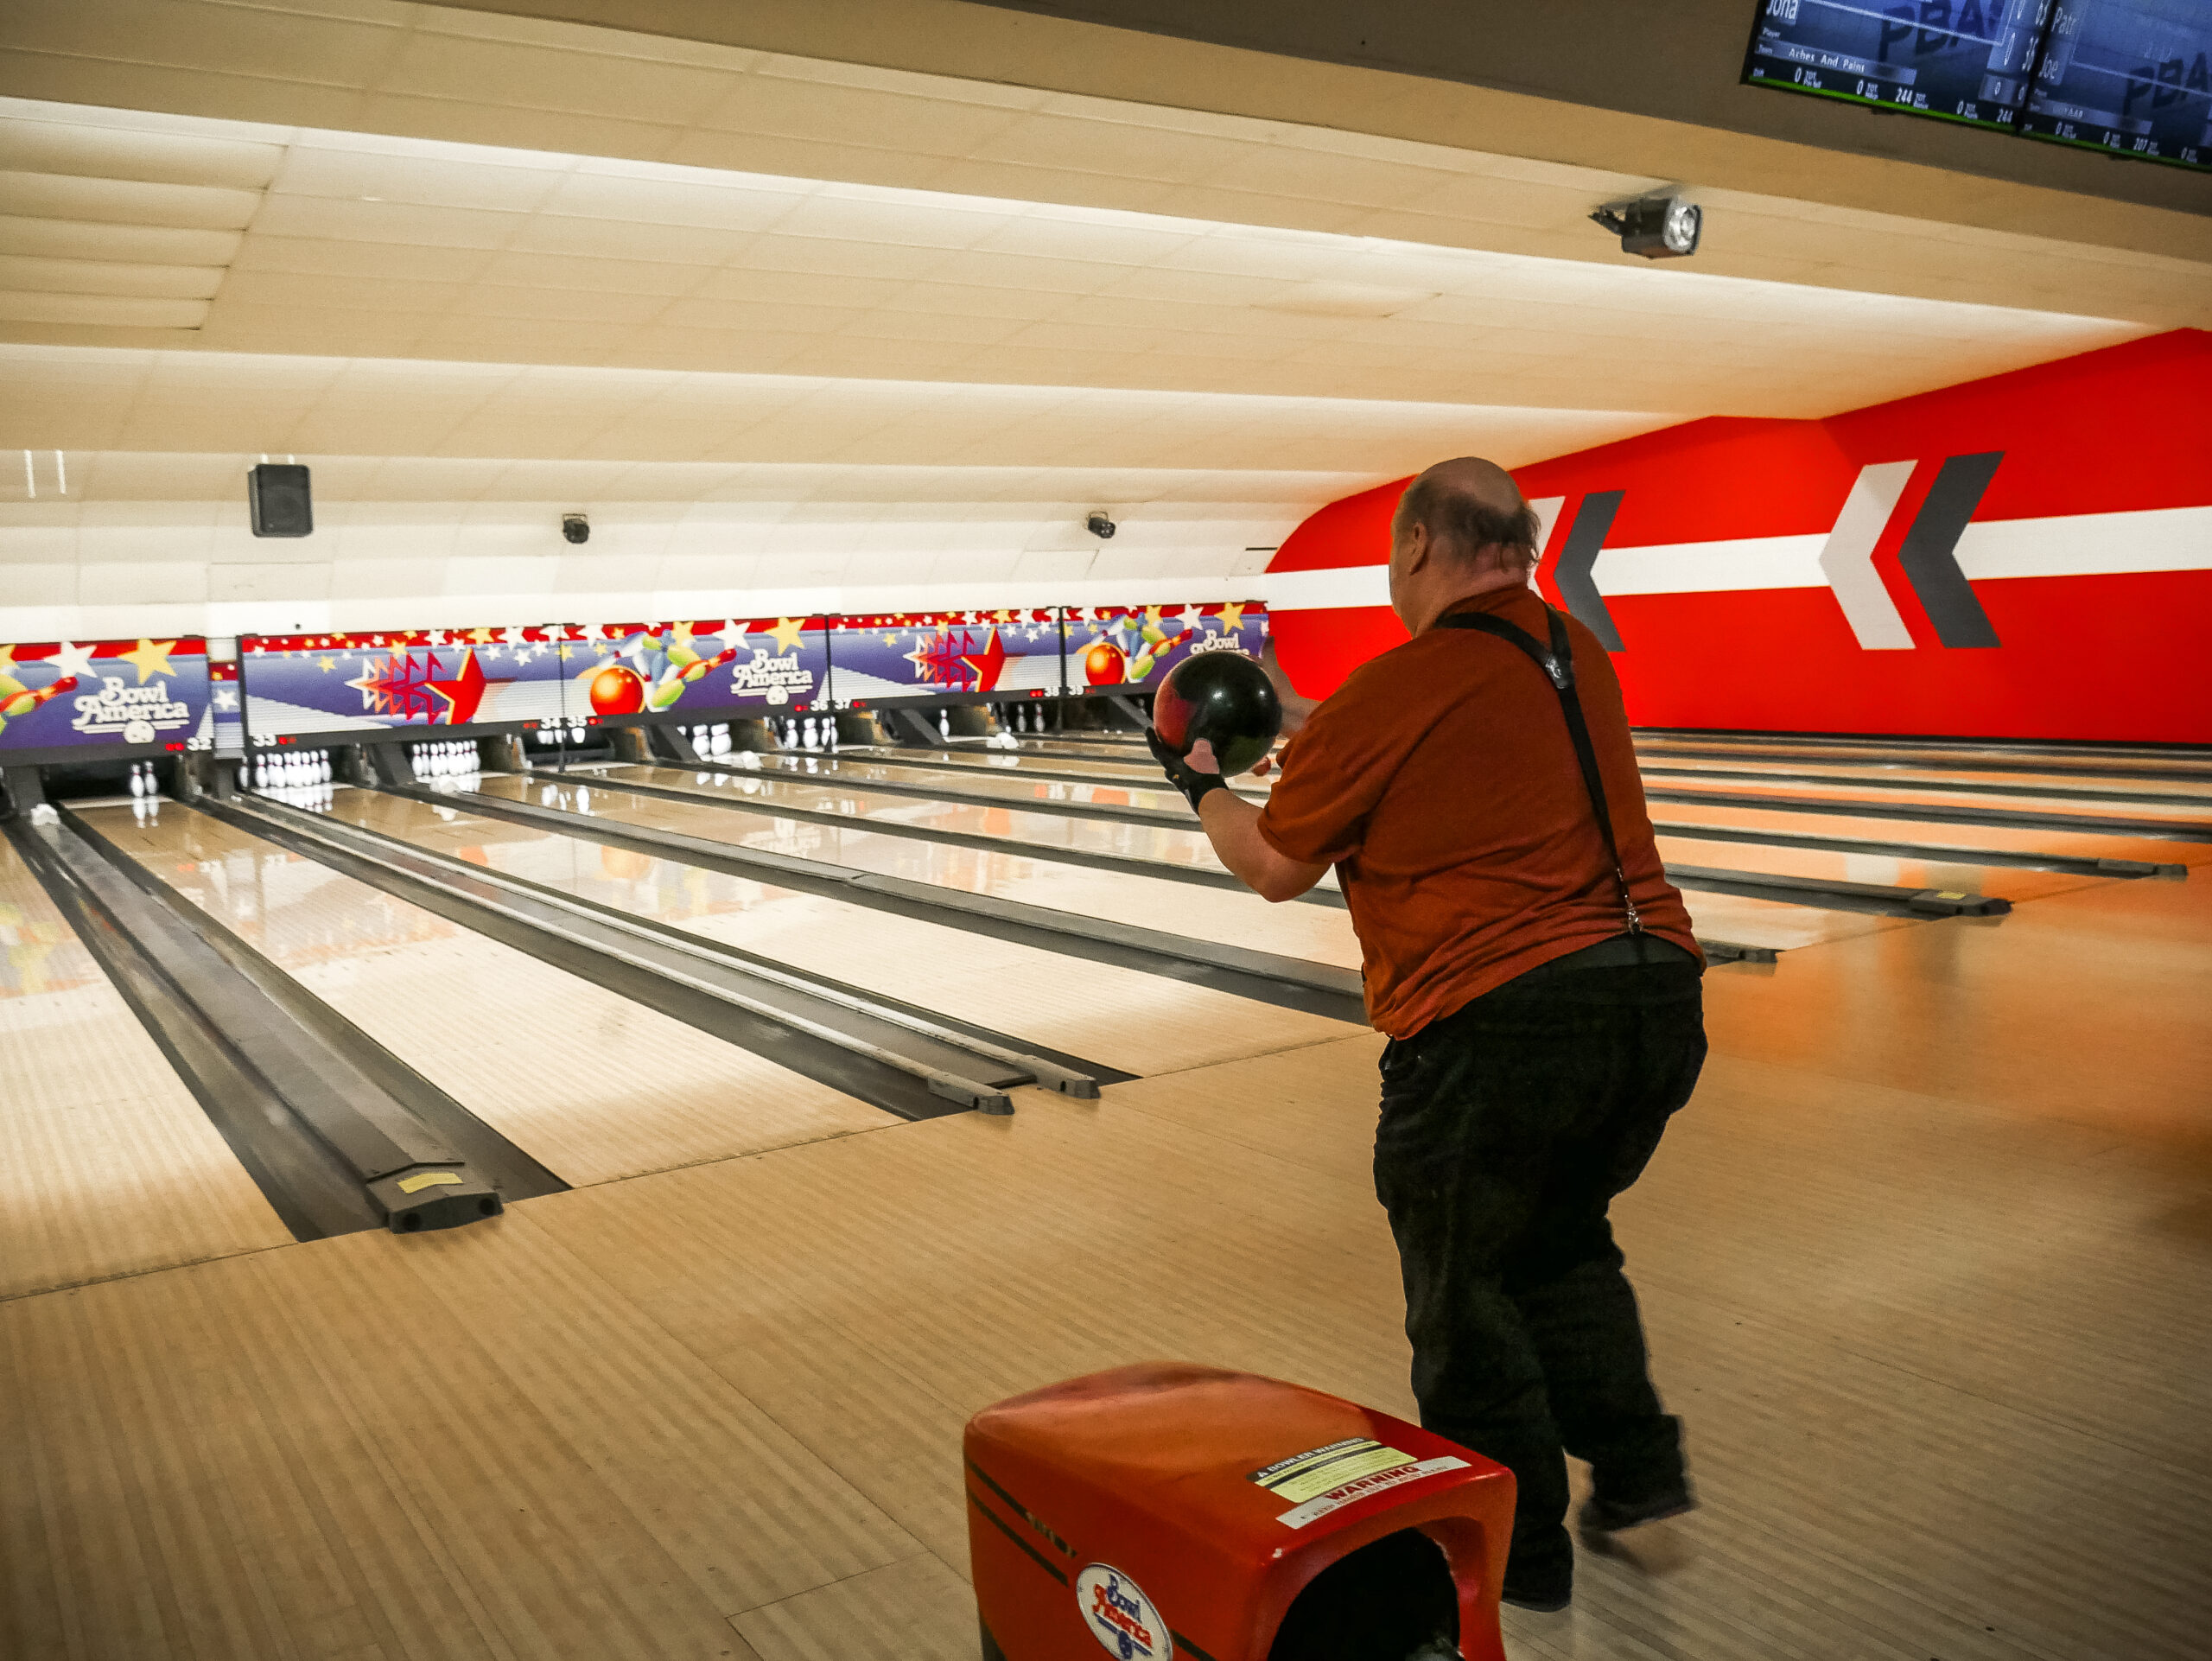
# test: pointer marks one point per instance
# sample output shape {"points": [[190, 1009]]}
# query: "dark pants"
{"points": [[1507, 1129]]}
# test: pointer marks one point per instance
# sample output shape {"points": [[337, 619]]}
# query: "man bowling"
{"points": [[1538, 984]]}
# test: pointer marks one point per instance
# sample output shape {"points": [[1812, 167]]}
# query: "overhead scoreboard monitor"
{"points": [[1959, 60], [2129, 78], [1131, 648], [932, 657]]}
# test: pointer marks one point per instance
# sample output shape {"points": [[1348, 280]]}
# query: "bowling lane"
{"points": [[1189, 847], [1121, 1017], [1682, 818], [594, 1085], [1933, 802], [108, 1166], [1010, 786], [2085, 760], [1318, 933], [1050, 833], [2144, 795], [1013, 764], [1962, 875]]}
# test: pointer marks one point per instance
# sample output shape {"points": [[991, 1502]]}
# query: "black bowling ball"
{"points": [[1223, 697]]}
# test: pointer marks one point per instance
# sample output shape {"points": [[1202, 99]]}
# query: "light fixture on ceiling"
{"points": [[576, 527], [1100, 526], [1657, 227]]}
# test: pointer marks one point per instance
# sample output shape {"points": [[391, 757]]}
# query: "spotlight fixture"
{"points": [[1657, 227], [1100, 526], [575, 527]]}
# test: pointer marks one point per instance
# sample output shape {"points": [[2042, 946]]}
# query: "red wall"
{"points": [[2095, 650]]}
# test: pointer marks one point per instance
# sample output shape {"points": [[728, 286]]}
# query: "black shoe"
{"points": [[1544, 1601], [1599, 1517]]}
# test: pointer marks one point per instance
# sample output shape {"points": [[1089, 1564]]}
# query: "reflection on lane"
{"points": [[1124, 1017]]}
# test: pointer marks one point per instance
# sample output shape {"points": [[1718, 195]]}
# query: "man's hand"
{"points": [[1194, 774]]}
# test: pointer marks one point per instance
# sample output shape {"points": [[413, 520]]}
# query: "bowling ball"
{"points": [[617, 691], [1223, 697], [1104, 664]]}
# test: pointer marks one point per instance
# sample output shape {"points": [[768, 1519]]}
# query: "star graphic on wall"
{"points": [[1232, 618], [225, 698], [70, 659], [325, 665], [987, 664], [151, 658], [786, 634], [464, 691]]}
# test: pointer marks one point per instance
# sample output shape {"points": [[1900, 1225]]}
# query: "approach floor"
{"points": [[1923, 1265], [107, 1164]]}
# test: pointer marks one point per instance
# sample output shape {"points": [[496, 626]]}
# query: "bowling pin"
{"points": [[945, 725], [137, 781]]}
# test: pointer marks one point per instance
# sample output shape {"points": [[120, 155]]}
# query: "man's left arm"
{"points": [[1232, 826]]}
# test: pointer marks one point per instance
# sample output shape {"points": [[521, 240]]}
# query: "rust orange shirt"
{"points": [[1439, 780]]}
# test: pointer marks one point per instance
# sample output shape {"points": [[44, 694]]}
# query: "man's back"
{"points": [[1442, 780]]}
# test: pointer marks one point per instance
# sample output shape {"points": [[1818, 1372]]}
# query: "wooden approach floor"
{"points": [[1927, 1264]]}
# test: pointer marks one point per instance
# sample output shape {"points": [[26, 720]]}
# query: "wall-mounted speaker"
{"points": [[276, 494]]}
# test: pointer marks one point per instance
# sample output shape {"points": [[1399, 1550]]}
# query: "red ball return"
{"points": [[1169, 1510]]}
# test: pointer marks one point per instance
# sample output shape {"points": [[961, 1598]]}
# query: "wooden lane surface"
{"points": [[2088, 1007], [1924, 1266], [465, 1445], [107, 1164], [1320, 933], [1122, 1017], [2066, 786], [2071, 843], [1783, 793], [593, 1085], [1861, 1412], [1013, 788], [1138, 772], [1928, 792], [1031, 823], [2071, 760]]}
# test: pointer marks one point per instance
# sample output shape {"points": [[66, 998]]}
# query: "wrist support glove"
{"points": [[1193, 784]]}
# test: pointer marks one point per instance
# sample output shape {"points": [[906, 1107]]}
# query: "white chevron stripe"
{"points": [[1847, 557], [2074, 545], [2089, 544]]}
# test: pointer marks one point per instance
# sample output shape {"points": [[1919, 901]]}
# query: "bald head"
{"points": [[1474, 514], [1461, 529]]}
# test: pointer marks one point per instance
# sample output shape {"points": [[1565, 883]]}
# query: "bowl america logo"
{"points": [[1218, 643], [1119, 1616]]}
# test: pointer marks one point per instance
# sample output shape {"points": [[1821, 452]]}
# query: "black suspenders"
{"points": [[1558, 665]]}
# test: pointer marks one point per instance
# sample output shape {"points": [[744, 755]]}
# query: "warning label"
{"points": [[1305, 1476], [1360, 1487]]}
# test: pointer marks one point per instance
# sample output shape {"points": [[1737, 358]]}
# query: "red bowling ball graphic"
{"points": [[1104, 664], [616, 691]]}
